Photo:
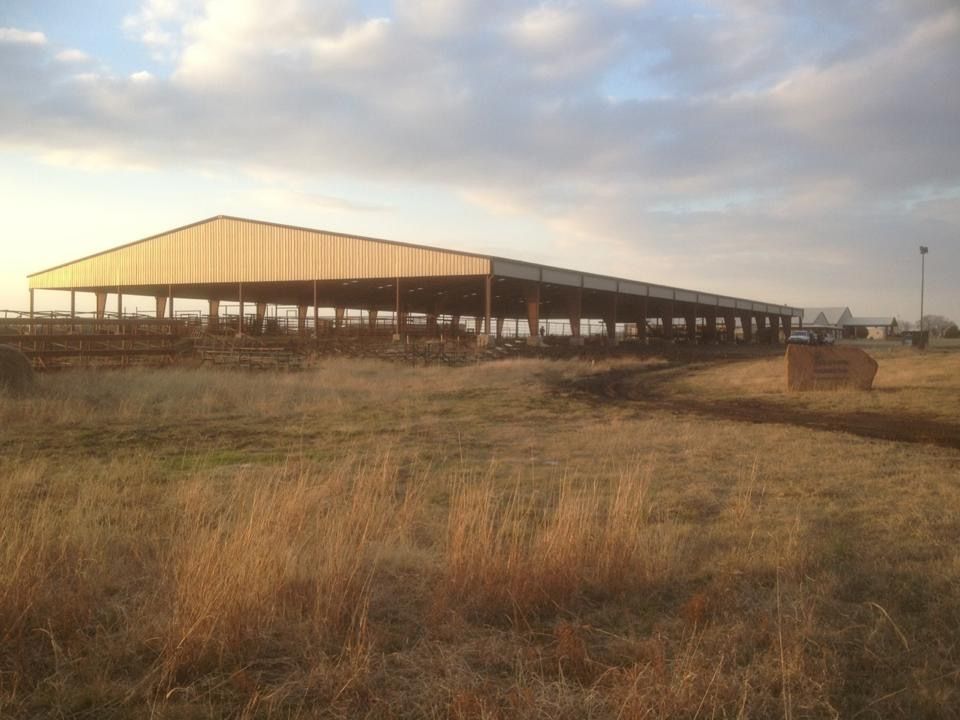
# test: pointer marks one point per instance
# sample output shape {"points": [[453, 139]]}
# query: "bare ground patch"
{"points": [[650, 385]]}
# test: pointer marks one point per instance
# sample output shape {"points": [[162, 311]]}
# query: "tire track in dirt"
{"points": [[644, 385]]}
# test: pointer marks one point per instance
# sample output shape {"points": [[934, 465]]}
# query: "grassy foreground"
{"points": [[367, 540]]}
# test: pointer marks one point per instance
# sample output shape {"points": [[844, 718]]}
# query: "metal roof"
{"points": [[832, 316], [871, 322], [226, 249]]}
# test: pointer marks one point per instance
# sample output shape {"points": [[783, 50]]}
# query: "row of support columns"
{"points": [[574, 301], [532, 296]]}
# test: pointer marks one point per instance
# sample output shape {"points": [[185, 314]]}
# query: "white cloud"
{"points": [[286, 198], [157, 39], [158, 24], [89, 160], [547, 28], [493, 201], [446, 18], [357, 44], [15, 36], [141, 76], [72, 55], [230, 39]]}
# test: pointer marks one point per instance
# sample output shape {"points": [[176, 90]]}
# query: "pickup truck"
{"points": [[803, 337]]}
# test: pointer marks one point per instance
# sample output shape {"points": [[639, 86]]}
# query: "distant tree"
{"points": [[952, 332], [937, 324]]}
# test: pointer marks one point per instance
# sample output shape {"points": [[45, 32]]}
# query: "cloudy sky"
{"points": [[797, 152]]}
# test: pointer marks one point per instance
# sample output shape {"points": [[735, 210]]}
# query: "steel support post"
{"points": [[532, 293], [612, 322], [240, 309], [642, 325], [101, 304], [575, 310], [487, 302], [730, 328], [396, 310], [667, 322], [710, 330], [213, 316], [761, 326], [316, 312], [301, 320]]}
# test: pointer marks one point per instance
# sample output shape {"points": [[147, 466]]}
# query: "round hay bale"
{"points": [[16, 373]]}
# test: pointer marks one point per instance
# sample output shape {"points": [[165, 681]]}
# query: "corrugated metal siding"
{"points": [[595, 282], [232, 250], [560, 277], [632, 288], [523, 271]]}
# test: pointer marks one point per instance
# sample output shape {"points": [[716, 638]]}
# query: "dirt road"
{"points": [[648, 386]]}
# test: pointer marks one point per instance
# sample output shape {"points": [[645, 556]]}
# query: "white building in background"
{"points": [[839, 322], [872, 328], [827, 321]]}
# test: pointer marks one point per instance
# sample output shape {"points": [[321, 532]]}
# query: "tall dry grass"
{"points": [[178, 393], [519, 555], [470, 544], [218, 574], [266, 564]]}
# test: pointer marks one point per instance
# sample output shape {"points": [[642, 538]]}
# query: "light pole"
{"points": [[923, 257]]}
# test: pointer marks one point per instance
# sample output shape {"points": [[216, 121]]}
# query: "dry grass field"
{"points": [[525, 539]]}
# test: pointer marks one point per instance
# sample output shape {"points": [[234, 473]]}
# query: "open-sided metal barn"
{"points": [[230, 259]]}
